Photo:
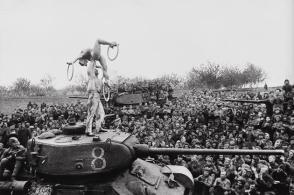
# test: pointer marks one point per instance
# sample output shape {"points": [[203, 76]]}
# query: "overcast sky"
{"points": [[156, 36]]}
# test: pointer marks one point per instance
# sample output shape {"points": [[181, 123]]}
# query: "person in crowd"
{"points": [[24, 134], [222, 184], [8, 158]]}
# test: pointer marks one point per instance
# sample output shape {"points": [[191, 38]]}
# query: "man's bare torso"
{"points": [[94, 83]]}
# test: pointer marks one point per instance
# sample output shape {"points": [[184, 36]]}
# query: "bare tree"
{"points": [[22, 86], [4, 91], [47, 84], [253, 74], [208, 75], [231, 76], [173, 79], [214, 76], [47, 81], [37, 90]]}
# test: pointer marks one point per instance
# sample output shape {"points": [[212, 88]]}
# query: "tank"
{"points": [[129, 98], [109, 163], [123, 99], [267, 102]]}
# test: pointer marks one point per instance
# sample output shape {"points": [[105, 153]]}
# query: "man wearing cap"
{"points": [[288, 89], [9, 156], [94, 83], [24, 134], [206, 178], [6, 134], [209, 163], [222, 183]]}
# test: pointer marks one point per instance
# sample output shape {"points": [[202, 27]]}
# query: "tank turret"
{"points": [[72, 153]]}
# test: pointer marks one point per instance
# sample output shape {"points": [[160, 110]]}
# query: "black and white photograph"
{"points": [[146, 97]]}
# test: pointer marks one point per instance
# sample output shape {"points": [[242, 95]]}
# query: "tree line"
{"points": [[215, 76], [210, 75], [24, 87]]}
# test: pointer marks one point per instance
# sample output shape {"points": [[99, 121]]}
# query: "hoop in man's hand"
{"points": [[106, 92], [116, 54], [70, 73]]}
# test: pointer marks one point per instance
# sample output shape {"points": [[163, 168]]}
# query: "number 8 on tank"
{"points": [[98, 163]]}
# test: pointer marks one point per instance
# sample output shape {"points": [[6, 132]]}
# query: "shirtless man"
{"points": [[94, 83]]}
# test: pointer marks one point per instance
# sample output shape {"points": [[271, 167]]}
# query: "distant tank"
{"points": [[73, 164], [131, 98], [123, 98]]}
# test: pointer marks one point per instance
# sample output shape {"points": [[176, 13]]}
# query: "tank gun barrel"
{"points": [[267, 102], [246, 101], [142, 149], [78, 97], [82, 97]]}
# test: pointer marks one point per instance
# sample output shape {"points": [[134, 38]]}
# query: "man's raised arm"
{"points": [[102, 42], [76, 59]]}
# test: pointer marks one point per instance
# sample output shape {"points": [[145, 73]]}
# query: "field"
{"points": [[9, 104]]}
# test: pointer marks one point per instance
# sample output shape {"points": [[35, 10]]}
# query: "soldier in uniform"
{"points": [[94, 83], [9, 157]]}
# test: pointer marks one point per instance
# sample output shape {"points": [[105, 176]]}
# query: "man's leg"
{"points": [[96, 54], [92, 107], [103, 63], [96, 51], [99, 120]]}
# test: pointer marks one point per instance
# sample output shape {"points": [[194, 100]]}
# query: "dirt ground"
{"points": [[9, 104]]}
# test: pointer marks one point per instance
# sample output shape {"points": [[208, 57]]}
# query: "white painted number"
{"points": [[98, 162]]}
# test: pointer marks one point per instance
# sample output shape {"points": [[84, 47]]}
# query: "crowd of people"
{"points": [[197, 119]]}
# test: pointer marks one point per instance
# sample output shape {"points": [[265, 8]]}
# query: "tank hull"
{"points": [[128, 99], [151, 181]]}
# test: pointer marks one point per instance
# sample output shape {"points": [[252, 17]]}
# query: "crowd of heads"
{"points": [[40, 118], [196, 119]]}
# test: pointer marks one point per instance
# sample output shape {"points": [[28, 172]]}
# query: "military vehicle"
{"points": [[121, 99], [71, 163], [268, 103], [131, 98]]}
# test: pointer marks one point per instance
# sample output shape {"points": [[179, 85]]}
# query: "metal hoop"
{"points": [[117, 51], [104, 93], [69, 77]]}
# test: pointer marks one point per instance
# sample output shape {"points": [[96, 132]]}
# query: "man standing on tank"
{"points": [[94, 83]]}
